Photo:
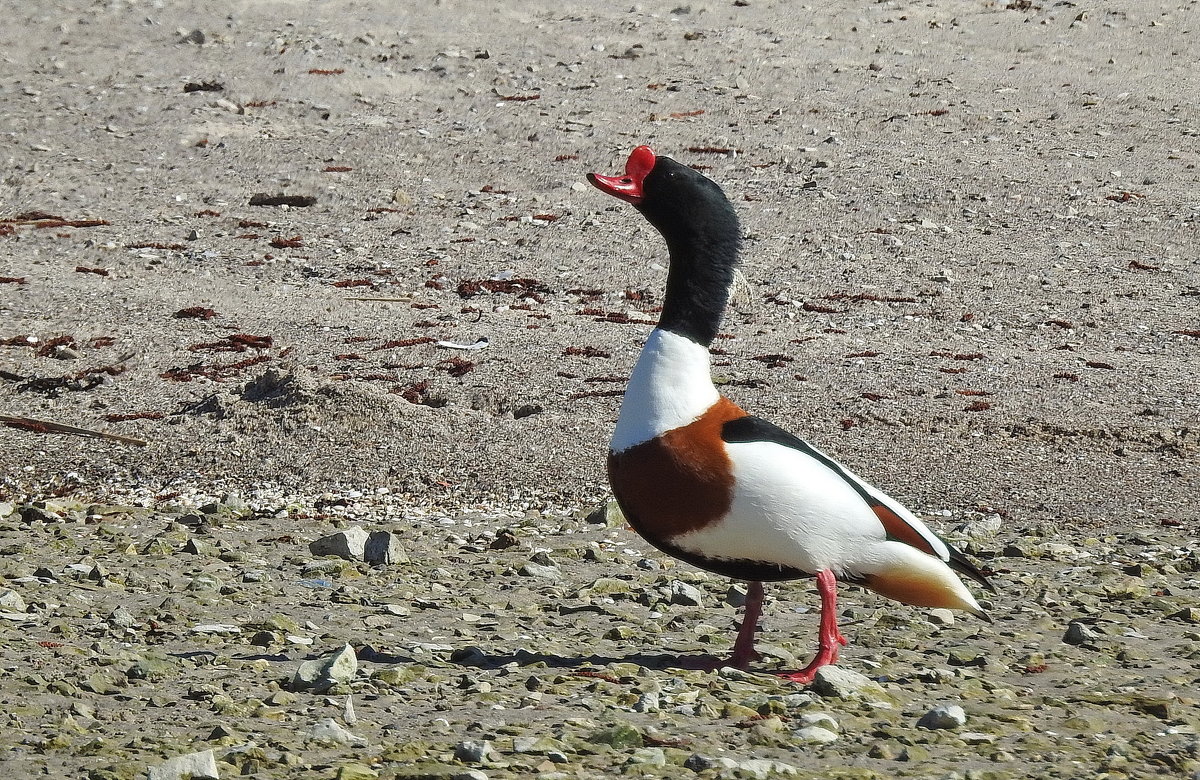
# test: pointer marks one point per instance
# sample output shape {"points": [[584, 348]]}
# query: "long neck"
{"points": [[698, 282]]}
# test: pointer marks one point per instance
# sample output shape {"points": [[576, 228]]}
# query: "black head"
{"points": [[701, 230]]}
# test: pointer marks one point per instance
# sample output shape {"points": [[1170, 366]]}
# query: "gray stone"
{"points": [[686, 595], [822, 719], [350, 544], [608, 514], [469, 774], [121, 618], [321, 674], [541, 572], [699, 763], [941, 617], [835, 682], [329, 730], [816, 734], [763, 768], [193, 766], [944, 716], [11, 601], [649, 756], [384, 547], [473, 751], [647, 702], [982, 527], [1078, 634]]}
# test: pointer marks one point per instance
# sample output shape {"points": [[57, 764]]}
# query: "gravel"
{"points": [[970, 275]]}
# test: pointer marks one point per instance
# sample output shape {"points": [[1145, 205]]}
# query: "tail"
{"points": [[912, 577]]}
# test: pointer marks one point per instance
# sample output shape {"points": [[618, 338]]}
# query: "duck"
{"points": [[707, 482]]}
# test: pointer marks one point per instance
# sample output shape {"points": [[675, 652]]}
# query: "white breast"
{"points": [[671, 386]]}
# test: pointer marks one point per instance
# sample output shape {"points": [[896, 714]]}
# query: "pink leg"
{"points": [[743, 649], [829, 637]]}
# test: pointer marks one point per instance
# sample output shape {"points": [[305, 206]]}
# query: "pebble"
{"points": [[469, 774], [686, 595], [815, 734], [329, 730], [537, 570], [763, 768], [350, 544], [941, 617], [839, 683], [11, 601], [1078, 634], [321, 674], [196, 766], [822, 719], [473, 751], [944, 716]]}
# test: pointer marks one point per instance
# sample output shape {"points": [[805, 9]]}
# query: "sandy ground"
{"points": [[971, 269]]}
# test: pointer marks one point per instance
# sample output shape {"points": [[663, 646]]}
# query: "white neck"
{"points": [[671, 386]]}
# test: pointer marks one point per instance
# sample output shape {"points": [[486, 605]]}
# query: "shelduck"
{"points": [[711, 484]]}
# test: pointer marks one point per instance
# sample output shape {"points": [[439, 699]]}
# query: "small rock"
{"points": [[608, 514], [469, 774], [699, 763], [121, 618], [11, 601], [321, 674], [355, 772], [822, 719], [686, 595], [539, 571], [835, 682], [329, 730], [195, 36], [350, 544], [763, 768], [816, 734], [619, 736], [384, 547], [944, 716], [982, 527], [941, 617], [1188, 615], [649, 756], [193, 766], [473, 751], [647, 702], [468, 656], [965, 656], [1078, 634]]}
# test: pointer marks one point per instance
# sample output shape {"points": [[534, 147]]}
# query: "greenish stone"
{"points": [[619, 736], [153, 668], [399, 674]]}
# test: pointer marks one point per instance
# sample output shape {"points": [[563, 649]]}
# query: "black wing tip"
{"points": [[961, 564]]}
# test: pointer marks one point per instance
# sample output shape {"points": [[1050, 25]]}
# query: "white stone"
{"points": [[944, 716], [816, 734], [329, 730], [196, 766], [941, 617]]}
